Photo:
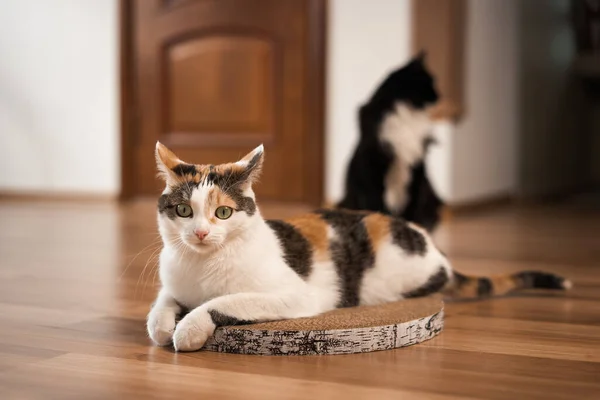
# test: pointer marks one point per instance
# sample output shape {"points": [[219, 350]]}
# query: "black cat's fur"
{"points": [[365, 181]]}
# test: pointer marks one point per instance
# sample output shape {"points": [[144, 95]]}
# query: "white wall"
{"points": [[59, 96], [483, 156], [367, 39]]}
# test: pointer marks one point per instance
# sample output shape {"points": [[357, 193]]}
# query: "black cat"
{"points": [[387, 172]]}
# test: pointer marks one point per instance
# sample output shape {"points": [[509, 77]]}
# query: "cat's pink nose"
{"points": [[201, 233]]}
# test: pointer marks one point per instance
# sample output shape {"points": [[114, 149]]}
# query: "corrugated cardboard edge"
{"points": [[262, 339]]}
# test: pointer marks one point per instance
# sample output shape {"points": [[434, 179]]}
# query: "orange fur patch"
{"points": [[468, 289], [190, 178], [223, 168], [168, 158], [503, 284], [378, 228], [314, 229], [217, 198]]}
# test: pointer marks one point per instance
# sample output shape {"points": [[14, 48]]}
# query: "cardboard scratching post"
{"points": [[343, 331]]}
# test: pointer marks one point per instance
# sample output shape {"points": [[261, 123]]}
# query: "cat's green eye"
{"points": [[223, 212], [183, 210]]}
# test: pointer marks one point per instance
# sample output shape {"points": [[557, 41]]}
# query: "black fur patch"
{"points": [[297, 250], [235, 177], [539, 280], [412, 84], [484, 287], [220, 319], [409, 239], [163, 203], [242, 202], [351, 252], [423, 203], [434, 284], [225, 180], [179, 194], [365, 178], [254, 161], [459, 279], [184, 169]]}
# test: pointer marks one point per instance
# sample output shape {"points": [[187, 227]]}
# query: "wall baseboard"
{"points": [[48, 196]]}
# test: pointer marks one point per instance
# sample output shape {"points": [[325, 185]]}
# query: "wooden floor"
{"points": [[76, 281]]}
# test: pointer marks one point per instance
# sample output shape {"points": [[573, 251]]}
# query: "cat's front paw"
{"points": [[193, 331], [161, 325]]}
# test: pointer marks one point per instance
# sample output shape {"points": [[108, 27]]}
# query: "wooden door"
{"points": [[212, 79]]}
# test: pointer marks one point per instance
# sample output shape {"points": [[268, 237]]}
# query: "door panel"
{"points": [[220, 84], [216, 78]]}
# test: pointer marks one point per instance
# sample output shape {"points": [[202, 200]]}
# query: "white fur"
{"points": [[396, 272], [324, 280], [405, 130]]}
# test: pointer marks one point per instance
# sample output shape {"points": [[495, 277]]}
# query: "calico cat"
{"points": [[387, 172], [227, 265]]}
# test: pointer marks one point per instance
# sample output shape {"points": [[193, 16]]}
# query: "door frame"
{"points": [[439, 28], [314, 115]]}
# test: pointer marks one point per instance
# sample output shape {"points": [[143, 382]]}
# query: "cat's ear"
{"points": [[166, 162], [421, 56], [252, 165]]}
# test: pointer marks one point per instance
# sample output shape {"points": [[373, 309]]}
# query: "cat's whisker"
{"points": [[147, 278], [155, 242], [143, 271], [156, 272], [153, 269]]}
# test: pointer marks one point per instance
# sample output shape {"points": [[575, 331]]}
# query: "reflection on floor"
{"points": [[76, 281]]}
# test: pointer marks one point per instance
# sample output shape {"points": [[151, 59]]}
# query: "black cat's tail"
{"points": [[473, 287]]}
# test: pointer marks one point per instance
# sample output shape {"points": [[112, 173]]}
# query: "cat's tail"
{"points": [[472, 287]]}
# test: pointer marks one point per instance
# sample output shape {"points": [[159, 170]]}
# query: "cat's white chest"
{"points": [[404, 130], [194, 279], [187, 278]]}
